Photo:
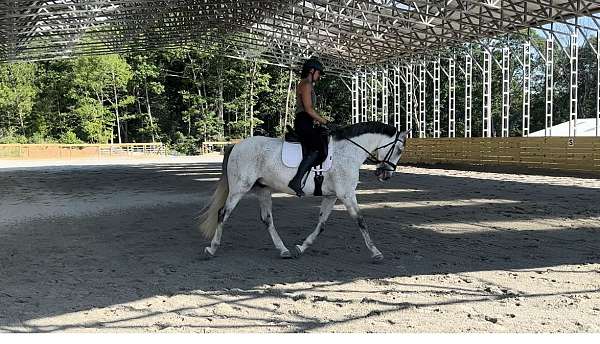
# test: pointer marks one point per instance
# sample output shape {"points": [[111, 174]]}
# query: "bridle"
{"points": [[386, 160]]}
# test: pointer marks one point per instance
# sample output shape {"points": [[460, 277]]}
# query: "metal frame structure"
{"points": [[363, 88], [436, 98], [549, 85], [396, 94], [422, 110], [574, 49], [468, 71], [283, 32], [372, 86], [385, 95], [526, 63], [451, 75], [355, 99], [487, 94], [409, 99], [358, 39], [505, 92]]}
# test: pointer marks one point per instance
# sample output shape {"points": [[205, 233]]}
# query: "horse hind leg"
{"points": [[266, 216], [224, 213]]}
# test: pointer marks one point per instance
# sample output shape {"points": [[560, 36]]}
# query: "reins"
{"points": [[372, 158]]}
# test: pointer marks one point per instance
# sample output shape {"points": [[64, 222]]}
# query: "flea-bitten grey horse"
{"points": [[255, 165]]}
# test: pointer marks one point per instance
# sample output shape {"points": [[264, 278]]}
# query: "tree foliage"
{"points": [[18, 92], [182, 97]]}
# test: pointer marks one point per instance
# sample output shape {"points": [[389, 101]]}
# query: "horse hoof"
{"points": [[377, 259], [285, 255], [296, 252], [205, 254]]}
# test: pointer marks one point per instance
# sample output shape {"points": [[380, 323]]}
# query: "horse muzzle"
{"points": [[383, 173]]}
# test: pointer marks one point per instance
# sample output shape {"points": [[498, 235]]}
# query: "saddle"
{"points": [[293, 151], [291, 135]]}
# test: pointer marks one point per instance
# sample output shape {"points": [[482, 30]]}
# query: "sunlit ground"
{"points": [[115, 248]]}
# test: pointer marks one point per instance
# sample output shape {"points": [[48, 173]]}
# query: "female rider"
{"points": [[307, 121]]}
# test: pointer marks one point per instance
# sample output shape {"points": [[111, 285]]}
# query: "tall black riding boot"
{"points": [[305, 165]]}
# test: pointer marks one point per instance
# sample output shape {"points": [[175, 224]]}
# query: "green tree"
{"points": [[103, 78], [52, 110], [17, 94], [146, 83]]}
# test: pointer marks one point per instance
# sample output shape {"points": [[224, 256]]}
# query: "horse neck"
{"points": [[368, 141]]}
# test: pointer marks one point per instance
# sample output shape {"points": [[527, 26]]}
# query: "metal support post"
{"points": [[468, 94], [487, 94], [451, 98], [549, 86], [574, 51], [409, 99], [422, 120], [505, 92], [384, 95], [363, 99], [373, 88], [396, 90], [526, 87], [436, 99], [598, 83], [355, 99]]}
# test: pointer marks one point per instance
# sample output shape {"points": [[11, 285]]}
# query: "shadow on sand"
{"points": [[126, 252]]}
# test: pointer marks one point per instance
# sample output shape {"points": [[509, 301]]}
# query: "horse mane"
{"points": [[363, 128]]}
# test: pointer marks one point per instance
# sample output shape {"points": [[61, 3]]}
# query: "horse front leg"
{"points": [[326, 206], [354, 211]]}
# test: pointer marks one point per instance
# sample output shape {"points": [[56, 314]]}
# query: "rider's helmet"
{"points": [[313, 63]]}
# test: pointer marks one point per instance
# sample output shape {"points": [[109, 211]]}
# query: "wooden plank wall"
{"points": [[561, 153]]}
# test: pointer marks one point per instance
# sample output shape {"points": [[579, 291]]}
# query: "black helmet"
{"points": [[313, 63]]}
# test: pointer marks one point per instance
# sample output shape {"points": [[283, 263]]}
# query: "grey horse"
{"points": [[255, 165]]}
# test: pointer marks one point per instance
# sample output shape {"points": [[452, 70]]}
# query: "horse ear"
{"points": [[404, 133]]}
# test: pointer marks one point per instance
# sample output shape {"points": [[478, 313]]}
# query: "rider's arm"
{"points": [[308, 105]]}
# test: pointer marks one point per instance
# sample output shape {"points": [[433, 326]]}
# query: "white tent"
{"points": [[585, 127]]}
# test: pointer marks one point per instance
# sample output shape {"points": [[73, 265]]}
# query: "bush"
{"points": [[69, 138], [38, 138], [186, 145], [10, 137]]}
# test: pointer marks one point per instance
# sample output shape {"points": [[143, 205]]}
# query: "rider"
{"points": [[307, 121]]}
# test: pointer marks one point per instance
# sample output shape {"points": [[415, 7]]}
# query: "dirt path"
{"points": [[114, 248]]}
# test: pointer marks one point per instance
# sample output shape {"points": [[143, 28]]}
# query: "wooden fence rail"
{"points": [[79, 151], [561, 153], [212, 146]]}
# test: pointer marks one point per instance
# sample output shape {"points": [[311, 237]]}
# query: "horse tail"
{"points": [[209, 216]]}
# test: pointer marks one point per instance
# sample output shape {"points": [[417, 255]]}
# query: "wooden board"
{"points": [[552, 152]]}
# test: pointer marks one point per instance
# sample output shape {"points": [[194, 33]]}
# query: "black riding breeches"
{"points": [[310, 136]]}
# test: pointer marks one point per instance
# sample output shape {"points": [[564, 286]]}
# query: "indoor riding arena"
{"points": [[490, 223]]}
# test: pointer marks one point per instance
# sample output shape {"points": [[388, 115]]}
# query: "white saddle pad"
{"points": [[291, 155]]}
